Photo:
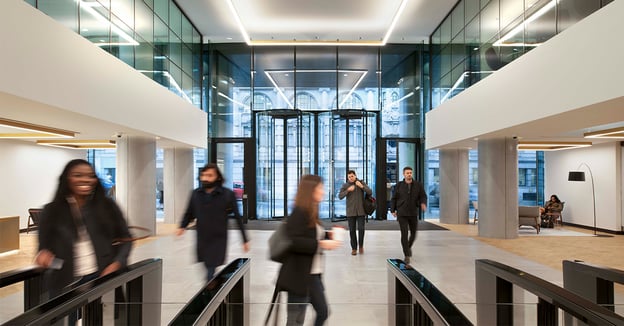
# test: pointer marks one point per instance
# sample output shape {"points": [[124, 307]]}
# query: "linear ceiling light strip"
{"points": [[37, 130]]}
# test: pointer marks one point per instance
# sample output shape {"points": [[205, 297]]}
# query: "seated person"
{"points": [[553, 205]]}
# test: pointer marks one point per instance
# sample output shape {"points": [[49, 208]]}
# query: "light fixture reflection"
{"points": [[269, 74], [88, 7], [520, 28]]}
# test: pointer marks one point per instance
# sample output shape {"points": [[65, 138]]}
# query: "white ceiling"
{"points": [[345, 20]]}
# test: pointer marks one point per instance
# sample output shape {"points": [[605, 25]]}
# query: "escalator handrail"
{"points": [[602, 272], [20, 275], [218, 288], [571, 303], [81, 295], [439, 310]]}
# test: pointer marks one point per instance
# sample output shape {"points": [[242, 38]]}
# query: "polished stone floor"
{"points": [[356, 286]]}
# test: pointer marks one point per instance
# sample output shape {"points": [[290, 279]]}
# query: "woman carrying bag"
{"points": [[300, 273]]}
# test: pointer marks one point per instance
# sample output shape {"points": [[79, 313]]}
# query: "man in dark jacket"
{"points": [[212, 204], [354, 190], [409, 196]]}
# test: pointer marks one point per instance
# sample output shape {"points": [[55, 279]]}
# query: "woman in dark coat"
{"points": [[211, 205], [78, 228], [300, 274]]}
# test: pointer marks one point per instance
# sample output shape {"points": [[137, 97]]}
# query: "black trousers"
{"points": [[408, 223], [297, 304], [359, 220]]}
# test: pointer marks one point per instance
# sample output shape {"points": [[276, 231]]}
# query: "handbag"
{"points": [[369, 204], [279, 244]]}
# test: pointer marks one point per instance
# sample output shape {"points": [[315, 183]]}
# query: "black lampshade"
{"points": [[576, 176]]}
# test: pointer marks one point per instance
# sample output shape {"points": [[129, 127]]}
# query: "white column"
{"points": [[498, 188], [454, 207], [136, 180], [178, 182]]}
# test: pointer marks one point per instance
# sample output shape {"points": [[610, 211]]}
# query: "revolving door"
{"points": [[346, 142], [284, 154], [292, 143]]}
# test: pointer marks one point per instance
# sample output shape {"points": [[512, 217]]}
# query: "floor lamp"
{"points": [[580, 176]]}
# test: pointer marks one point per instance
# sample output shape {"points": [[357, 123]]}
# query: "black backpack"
{"points": [[370, 203]]}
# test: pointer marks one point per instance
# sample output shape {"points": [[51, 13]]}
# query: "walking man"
{"points": [[409, 196], [211, 205], [354, 190]]}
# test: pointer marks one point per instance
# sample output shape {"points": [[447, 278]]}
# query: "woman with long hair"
{"points": [[78, 228], [300, 274]]}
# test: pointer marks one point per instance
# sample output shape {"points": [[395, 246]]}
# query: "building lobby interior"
{"points": [[492, 102]]}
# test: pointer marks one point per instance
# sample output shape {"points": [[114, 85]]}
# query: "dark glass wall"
{"points": [[317, 110], [479, 37]]}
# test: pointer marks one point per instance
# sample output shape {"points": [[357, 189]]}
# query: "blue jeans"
{"points": [[297, 304], [360, 230], [210, 271]]}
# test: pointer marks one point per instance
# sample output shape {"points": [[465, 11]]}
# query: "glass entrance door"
{"points": [[396, 154], [284, 155], [236, 161]]}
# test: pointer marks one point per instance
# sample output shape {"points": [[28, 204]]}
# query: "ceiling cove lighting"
{"points": [[615, 133], [79, 143], [382, 42], [550, 145], [88, 7], [29, 130], [520, 27]]}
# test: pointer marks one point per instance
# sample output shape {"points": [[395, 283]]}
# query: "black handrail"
{"points": [[32, 276], [431, 306], [91, 292], [592, 282], [226, 292], [495, 292]]}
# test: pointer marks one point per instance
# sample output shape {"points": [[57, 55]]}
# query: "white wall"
{"points": [[29, 176], [605, 162]]}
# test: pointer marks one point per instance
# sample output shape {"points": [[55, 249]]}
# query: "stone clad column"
{"points": [[498, 188], [136, 180], [178, 181], [454, 207]]}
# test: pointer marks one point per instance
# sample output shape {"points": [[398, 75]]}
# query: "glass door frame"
{"points": [[381, 188], [249, 170]]}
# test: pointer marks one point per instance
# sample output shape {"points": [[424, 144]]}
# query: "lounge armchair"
{"points": [[529, 216]]}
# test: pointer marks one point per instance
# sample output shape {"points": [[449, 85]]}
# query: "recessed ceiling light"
{"points": [[316, 41]]}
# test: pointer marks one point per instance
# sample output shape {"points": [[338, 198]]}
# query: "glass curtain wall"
{"points": [[313, 110], [479, 37]]}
